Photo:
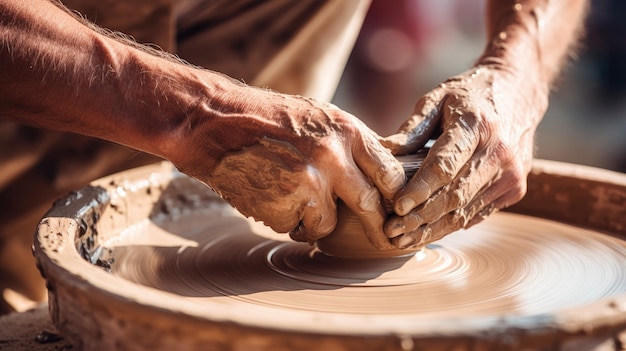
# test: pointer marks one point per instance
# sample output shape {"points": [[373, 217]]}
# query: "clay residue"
{"points": [[265, 181], [508, 265]]}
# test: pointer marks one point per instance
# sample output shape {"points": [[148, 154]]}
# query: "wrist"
{"points": [[517, 56], [522, 91], [202, 120], [513, 52], [161, 102]]}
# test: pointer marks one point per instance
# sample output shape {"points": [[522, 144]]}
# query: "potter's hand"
{"points": [[282, 159], [479, 162], [286, 159], [487, 119]]}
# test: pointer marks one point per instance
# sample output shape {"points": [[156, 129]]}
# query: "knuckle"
{"points": [[511, 176], [516, 177], [426, 235], [444, 166], [449, 224], [504, 153], [412, 221], [455, 199], [470, 121], [518, 193], [429, 102], [487, 131], [461, 216], [392, 176], [369, 200]]}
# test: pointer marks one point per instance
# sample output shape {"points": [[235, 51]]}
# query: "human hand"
{"points": [[479, 163], [286, 159]]}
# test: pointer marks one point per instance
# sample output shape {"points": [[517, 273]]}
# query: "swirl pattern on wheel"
{"points": [[507, 265]]}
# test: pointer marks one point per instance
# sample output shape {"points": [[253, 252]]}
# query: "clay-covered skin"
{"points": [[282, 159], [286, 160], [232, 136], [479, 162], [484, 121], [348, 240]]}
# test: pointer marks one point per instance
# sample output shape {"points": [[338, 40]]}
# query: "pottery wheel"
{"points": [[508, 265], [149, 259]]}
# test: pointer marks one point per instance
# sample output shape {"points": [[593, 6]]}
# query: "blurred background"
{"points": [[404, 51]]}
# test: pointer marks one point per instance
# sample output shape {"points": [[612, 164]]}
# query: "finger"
{"points": [[364, 200], [485, 201], [507, 189], [480, 208], [426, 233], [415, 132], [449, 223], [379, 165], [478, 174], [318, 220], [504, 201], [298, 234], [444, 160]]}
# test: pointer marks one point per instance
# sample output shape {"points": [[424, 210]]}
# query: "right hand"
{"points": [[484, 121]]}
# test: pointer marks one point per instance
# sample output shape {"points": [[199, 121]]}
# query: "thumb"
{"points": [[415, 132]]}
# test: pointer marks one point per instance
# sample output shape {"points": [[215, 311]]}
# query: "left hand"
{"points": [[487, 119], [286, 160]]}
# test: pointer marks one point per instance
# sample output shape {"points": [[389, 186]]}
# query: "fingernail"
{"points": [[405, 241], [395, 228], [404, 206]]}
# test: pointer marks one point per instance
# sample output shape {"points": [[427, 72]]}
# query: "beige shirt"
{"points": [[297, 47]]}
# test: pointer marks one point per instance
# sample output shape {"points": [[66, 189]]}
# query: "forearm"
{"points": [[59, 74], [533, 36]]}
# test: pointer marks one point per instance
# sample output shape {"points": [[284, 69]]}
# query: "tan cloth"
{"points": [[297, 47]]}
